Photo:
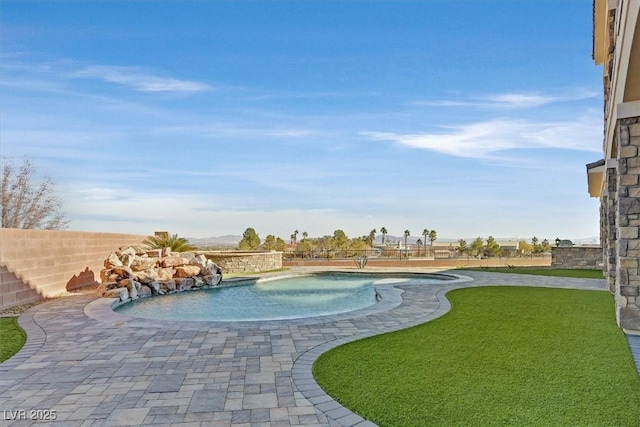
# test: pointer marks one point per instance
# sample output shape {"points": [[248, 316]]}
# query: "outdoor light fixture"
{"points": [[557, 242]]}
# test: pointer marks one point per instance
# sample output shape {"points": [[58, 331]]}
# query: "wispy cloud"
{"points": [[484, 140], [139, 79], [514, 100]]}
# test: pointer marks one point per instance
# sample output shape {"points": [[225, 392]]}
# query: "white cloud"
{"points": [[139, 79], [521, 100], [514, 100], [483, 140]]}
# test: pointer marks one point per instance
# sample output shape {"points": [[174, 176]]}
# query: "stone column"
{"points": [[627, 289], [609, 241]]}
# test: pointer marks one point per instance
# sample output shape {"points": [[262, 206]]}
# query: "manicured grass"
{"points": [[502, 356], [12, 337], [561, 272]]}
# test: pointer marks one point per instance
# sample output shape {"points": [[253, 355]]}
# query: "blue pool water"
{"points": [[289, 298]]}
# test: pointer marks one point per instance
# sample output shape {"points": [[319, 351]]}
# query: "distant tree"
{"points": [[419, 243], [372, 237], [294, 238], [477, 246], [304, 235], [340, 240], [492, 247], [462, 247], [280, 244], [433, 235], [525, 247], [359, 244], [27, 204], [536, 246], [304, 246], [177, 244], [383, 230], [425, 233], [407, 233], [250, 240], [545, 246], [269, 243]]}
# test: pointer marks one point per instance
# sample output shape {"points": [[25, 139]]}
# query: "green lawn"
{"points": [[562, 272], [12, 337], [502, 356]]}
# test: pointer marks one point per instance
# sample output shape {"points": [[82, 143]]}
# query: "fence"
{"points": [[35, 264], [395, 254]]}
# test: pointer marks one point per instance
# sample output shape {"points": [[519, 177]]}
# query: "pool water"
{"points": [[289, 298]]}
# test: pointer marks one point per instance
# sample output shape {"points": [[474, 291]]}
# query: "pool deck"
{"points": [[97, 368]]}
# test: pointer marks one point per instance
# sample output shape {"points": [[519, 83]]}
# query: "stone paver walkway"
{"points": [[94, 367]]}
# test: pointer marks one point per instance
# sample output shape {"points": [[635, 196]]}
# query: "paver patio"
{"points": [[98, 368]]}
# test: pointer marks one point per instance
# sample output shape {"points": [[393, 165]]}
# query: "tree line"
{"points": [[339, 241], [490, 247], [336, 241]]}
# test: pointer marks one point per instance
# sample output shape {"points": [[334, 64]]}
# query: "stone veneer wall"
{"points": [[627, 266], [245, 262], [36, 264], [589, 257], [608, 205]]}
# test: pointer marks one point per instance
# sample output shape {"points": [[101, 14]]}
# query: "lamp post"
{"points": [[557, 242]]}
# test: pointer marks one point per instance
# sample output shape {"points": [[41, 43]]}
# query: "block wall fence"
{"points": [[36, 264]]}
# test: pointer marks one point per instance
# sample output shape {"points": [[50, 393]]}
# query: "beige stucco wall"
{"points": [[42, 263]]}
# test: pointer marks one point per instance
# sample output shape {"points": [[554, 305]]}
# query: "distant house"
{"points": [[615, 179], [510, 247]]}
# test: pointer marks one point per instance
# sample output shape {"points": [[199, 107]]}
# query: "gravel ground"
{"points": [[17, 310]]}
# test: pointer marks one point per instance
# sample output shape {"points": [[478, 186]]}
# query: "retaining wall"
{"points": [[588, 257], [245, 262], [36, 264]]}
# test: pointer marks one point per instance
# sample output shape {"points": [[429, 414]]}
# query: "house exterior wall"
{"points": [[617, 49]]}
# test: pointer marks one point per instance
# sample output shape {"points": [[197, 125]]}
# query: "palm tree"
{"points": [[407, 233], [383, 230], [419, 243], [433, 235], [304, 235], [372, 236], [425, 233], [177, 244]]}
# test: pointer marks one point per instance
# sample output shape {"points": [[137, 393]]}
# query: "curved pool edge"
{"points": [[102, 309]]}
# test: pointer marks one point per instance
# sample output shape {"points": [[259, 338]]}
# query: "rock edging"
{"points": [[130, 274]]}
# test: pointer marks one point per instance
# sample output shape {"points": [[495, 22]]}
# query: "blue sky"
{"points": [[203, 118]]}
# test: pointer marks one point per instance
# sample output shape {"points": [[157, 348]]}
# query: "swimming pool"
{"points": [[287, 298]]}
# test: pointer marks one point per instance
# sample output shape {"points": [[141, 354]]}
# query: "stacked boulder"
{"points": [[132, 274]]}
